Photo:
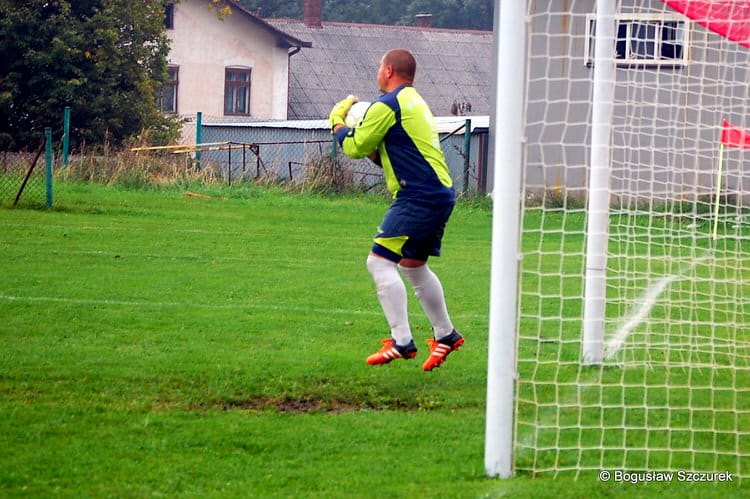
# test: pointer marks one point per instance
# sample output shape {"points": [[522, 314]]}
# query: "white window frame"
{"points": [[629, 59]]}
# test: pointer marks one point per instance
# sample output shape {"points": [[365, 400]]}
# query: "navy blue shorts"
{"points": [[412, 229]]}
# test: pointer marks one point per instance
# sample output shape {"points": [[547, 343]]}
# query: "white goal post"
{"points": [[619, 330]]}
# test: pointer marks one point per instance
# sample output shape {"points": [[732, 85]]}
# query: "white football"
{"points": [[356, 113]]}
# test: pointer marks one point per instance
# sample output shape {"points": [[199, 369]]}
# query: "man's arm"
{"points": [[374, 157], [363, 141]]}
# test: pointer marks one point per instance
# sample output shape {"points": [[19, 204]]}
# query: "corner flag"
{"points": [[728, 18], [734, 136], [731, 136]]}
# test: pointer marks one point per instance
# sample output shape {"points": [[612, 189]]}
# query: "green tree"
{"points": [[290, 9], [382, 12], [454, 14], [106, 59]]}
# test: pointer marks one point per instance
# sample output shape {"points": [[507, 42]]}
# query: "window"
{"points": [[169, 16], [644, 40], [237, 91], [168, 97]]}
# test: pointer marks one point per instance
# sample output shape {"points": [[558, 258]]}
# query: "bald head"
{"points": [[403, 63], [397, 67]]}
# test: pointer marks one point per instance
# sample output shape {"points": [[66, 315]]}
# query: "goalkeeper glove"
{"points": [[338, 113]]}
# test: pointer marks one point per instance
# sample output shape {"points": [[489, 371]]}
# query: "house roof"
{"points": [[283, 39], [453, 66]]}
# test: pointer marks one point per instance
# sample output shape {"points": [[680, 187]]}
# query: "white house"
{"points": [[232, 66]]}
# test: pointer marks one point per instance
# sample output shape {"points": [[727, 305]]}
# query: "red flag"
{"points": [[734, 136], [729, 18]]}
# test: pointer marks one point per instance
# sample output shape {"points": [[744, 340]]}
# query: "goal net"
{"points": [[634, 283]]}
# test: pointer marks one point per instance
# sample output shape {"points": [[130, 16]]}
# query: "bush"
{"points": [[326, 174]]}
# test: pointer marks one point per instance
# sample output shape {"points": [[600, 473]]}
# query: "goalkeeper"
{"points": [[398, 132]]}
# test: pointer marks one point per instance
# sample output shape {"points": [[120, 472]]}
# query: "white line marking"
{"points": [[163, 304], [224, 306], [643, 309]]}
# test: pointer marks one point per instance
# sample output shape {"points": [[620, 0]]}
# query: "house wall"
{"points": [[204, 45], [666, 123]]}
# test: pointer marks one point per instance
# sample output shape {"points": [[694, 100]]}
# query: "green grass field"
{"points": [[158, 344]]}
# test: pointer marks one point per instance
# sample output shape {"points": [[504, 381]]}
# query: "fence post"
{"points": [[229, 164], [198, 138], [467, 155], [48, 164], [66, 136]]}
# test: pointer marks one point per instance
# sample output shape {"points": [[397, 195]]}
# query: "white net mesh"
{"points": [[673, 389]]}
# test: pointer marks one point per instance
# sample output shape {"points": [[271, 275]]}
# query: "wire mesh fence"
{"points": [[23, 180], [301, 153], [298, 151], [295, 161]]}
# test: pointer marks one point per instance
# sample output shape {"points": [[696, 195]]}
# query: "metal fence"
{"points": [[287, 160], [24, 178], [279, 151], [294, 150]]}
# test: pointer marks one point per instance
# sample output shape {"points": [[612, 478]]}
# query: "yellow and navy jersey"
{"points": [[400, 126]]}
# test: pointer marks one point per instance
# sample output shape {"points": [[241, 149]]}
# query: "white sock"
{"points": [[392, 297], [429, 291]]}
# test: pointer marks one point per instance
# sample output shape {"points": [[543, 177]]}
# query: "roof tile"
{"points": [[452, 65]]}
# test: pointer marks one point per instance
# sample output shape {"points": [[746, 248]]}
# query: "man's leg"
{"points": [[429, 292], [391, 293]]}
